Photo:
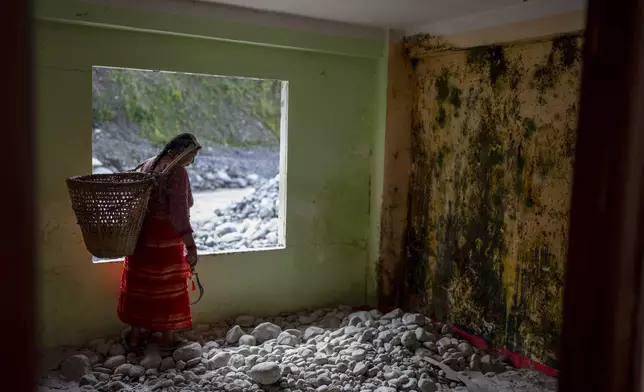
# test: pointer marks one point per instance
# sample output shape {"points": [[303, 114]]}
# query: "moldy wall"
{"points": [[492, 144]]}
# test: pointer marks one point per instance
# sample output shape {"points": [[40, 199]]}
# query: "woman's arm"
{"points": [[180, 205]]}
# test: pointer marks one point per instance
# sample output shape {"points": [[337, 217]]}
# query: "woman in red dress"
{"points": [[154, 289]]}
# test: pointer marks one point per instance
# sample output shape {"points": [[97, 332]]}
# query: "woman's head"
{"points": [[180, 144]]}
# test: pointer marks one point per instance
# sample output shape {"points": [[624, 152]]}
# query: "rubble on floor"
{"points": [[324, 350]]}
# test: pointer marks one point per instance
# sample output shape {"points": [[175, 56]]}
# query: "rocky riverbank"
{"points": [[251, 223], [216, 167]]}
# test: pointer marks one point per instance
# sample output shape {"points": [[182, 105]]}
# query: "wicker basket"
{"points": [[110, 209]]}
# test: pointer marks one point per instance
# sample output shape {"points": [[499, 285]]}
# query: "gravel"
{"points": [[365, 353]]}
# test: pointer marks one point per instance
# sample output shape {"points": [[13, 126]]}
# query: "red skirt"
{"points": [[154, 288]]}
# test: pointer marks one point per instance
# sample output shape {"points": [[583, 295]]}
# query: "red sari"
{"points": [[154, 290]]}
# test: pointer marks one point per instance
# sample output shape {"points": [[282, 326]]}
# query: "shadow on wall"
{"points": [[493, 139]]}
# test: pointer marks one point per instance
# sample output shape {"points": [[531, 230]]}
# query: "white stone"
{"points": [[409, 340], [414, 318], [123, 369], [151, 361], [362, 315], [166, 364], [312, 332], [221, 359], [230, 237], [187, 352], [88, 379], [465, 349], [75, 367], [427, 385], [360, 369], [247, 340], [233, 335], [295, 332], [266, 331], [424, 336], [396, 313], [287, 339], [445, 342], [114, 362], [358, 355], [137, 371], [236, 361], [265, 373]]}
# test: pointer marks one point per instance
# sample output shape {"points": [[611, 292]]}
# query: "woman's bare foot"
{"points": [[132, 339], [167, 340]]}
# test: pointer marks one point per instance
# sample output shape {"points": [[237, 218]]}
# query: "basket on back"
{"points": [[110, 209]]}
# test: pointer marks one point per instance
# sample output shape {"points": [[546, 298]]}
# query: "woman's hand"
{"points": [[192, 257]]}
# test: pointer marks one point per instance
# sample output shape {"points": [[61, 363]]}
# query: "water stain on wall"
{"points": [[493, 139]]}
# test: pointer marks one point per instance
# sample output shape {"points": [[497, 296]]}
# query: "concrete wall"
{"points": [[397, 163], [492, 144], [334, 119]]}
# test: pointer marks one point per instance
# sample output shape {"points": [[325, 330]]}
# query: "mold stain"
{"points": [[419, 222], [441, 117], [442, 86], [492, 148], [446, 94], [455, 98], [490, 58], [564, 54], [530, 127]]}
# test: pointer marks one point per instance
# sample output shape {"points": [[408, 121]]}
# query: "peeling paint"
{"points": [[492, 146]]}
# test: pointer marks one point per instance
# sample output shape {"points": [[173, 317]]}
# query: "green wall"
{"points": [[335, 116]]}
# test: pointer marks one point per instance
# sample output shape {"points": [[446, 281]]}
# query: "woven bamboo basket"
{"points": [[110, 209]]}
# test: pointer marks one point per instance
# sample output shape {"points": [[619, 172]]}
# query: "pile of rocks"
{"points": [[251, 223], [325, 350], [223, 178]]}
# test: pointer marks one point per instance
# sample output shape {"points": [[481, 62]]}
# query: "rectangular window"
{"points": [[238, 179]]}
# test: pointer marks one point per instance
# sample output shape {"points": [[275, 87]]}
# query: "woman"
{"points": [[154, 289]]}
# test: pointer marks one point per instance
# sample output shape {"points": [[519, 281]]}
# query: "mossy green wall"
{"points": [[333, 127], [492, 147]]}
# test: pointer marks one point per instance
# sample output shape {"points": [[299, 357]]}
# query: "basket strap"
{"points": [[172, 164], [176, 160], [138, 167]]}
